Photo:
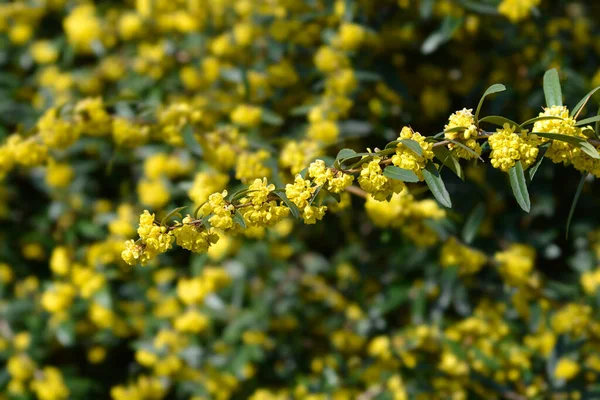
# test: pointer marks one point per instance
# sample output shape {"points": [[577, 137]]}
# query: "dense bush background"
{"points": [[346, 308]]}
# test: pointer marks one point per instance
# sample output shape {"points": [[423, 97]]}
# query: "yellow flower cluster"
{"points": [[154, 239], [333, 180], [409, 215], [208, 94], [509, 147], [218, 211], [260, 208], [453, 130], [251, 165], [205, 184], [517, 10], [407, 158], [47, 384], [193, 236], [301, 193], [296, 155], [516, 263], [372, 180], [455, 254]]}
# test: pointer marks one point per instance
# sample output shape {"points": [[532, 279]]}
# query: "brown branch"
{"points": [[355, 190]]}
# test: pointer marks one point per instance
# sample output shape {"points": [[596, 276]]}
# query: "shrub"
{"points": [[298, 199]]}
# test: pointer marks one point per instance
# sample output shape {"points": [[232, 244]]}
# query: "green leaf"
{"points": [[452, 130], [588, 120], [344, 153], [205, 221], [304, 173], [238, 218], [473, 223], [335, 196], [468, 149], [356, 155], [315, 194], [171, 214], [363, 160], [449, 160], [552, 90], [237, 194], [413, 145], [574, 204], [581, 143], [519, 186], [536, 119], [293, 208], [447, 29], [399, 174], [190, 141], [495, 88], [500, 121], [436, 185], [271, 118], [533, 169], [301, 110], [597, 125], [583, 101]]}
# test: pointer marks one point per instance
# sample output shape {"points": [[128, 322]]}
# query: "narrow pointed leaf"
{"points": [[293, 208], [579, 142], [575, 111], [500, 121], [436, 185], [536, 119], [345, 153], [449, 160], [597, 125], [413, 145], [468, 149], [495, 88], [552, 90], [238, 218], [400, 174], [171, 214], [588, 121], [473, 223], [533, 169], [519, 186], [574, 204]]}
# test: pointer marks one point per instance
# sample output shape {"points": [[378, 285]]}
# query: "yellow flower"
{"points": [[516, 263], [82, 28], [153, 193], [509, 147], [301, 193], [590, 280], [251, 165], [59, 175], [43, 52], [96, 354], [206, 183], [325, 131], [516, 10], [334, 181], [468, 261], [60, 261], [20, 366], [192, 321], [373, 181], [194, 237], [350, 37], [566, 369], [246, 115], [406, 158]]}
